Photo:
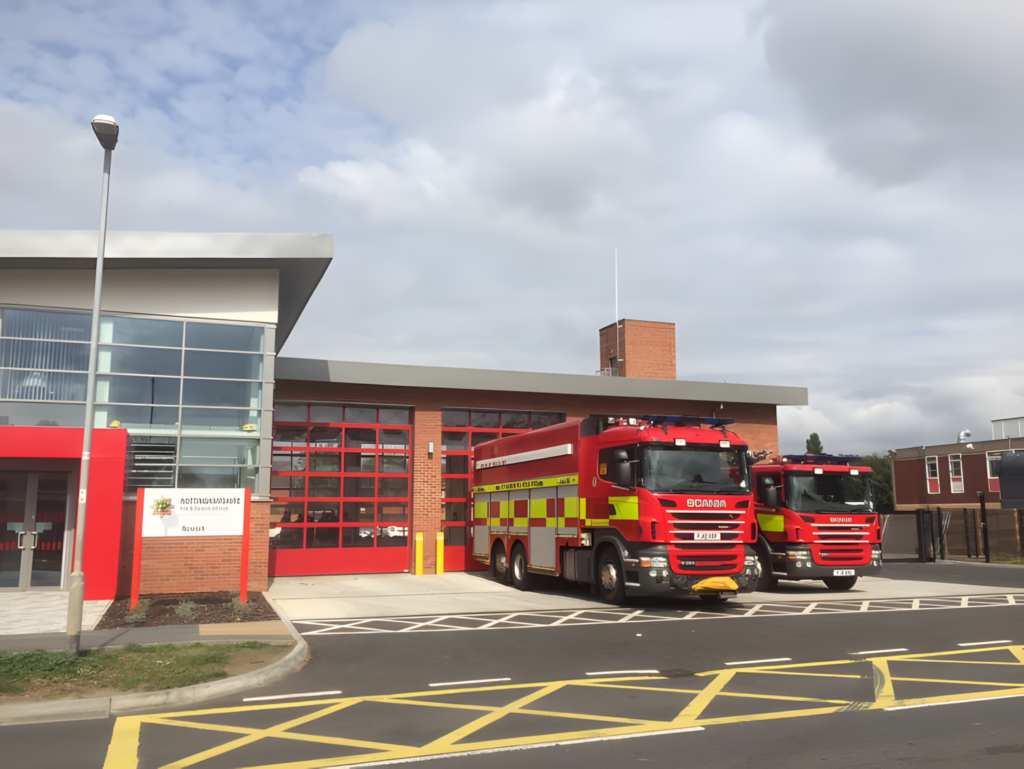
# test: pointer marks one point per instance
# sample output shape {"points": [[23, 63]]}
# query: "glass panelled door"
{"points": [[33, 517]]}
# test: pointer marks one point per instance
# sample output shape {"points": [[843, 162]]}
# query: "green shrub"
{"points": [[137, 616], [187, 612], [239, 608]]}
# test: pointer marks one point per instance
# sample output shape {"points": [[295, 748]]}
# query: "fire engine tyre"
{"points": [[839, 583], [499, 564], [766, 581], [520, 575], [611, 583]]}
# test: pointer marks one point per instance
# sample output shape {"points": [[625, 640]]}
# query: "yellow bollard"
{"points": [[440, 552], [419, 554]]}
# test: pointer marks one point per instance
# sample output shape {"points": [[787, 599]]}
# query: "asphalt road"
{"points": [[795, 711]]}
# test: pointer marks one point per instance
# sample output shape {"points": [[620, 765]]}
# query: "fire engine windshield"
{"points": [[828, 493], [702, 469]]}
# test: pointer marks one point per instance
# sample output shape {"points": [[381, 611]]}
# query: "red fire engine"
{"points": [[816, 520], [652, 506]]}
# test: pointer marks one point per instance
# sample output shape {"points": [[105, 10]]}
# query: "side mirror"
{"points": [[771, 494], [622, 475]]}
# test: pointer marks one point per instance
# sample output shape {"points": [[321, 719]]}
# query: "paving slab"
{"points": [[43, 612]]}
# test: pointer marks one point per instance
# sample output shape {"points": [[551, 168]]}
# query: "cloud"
{"points": [[817, 194], [901, 89]]}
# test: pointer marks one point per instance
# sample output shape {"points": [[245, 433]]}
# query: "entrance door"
{"points": [[33, 517]]}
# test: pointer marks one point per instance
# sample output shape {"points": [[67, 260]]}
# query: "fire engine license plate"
{"points": [[842, 572], [698, 535]]}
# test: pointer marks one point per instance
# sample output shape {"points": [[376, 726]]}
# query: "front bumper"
{"points": [[797, 562], [662, 581]]}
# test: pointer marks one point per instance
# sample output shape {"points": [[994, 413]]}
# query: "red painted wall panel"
{"points": [[105, 493]]}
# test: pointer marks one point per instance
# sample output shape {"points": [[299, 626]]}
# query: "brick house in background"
{"points": [[949, 477]]}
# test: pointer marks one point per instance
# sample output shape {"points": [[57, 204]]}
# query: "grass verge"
{"points": [[46, 675]]}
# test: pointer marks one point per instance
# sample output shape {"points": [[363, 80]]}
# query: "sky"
{"points": [[824, 195]]}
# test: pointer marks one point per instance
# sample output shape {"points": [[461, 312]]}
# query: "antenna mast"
{"points": [[617, 358]]}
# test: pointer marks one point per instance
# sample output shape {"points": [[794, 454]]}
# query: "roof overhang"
{"points": [[390, 375], [300, 258]]}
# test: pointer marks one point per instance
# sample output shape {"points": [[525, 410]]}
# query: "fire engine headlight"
{"points": [[645, 563], [659, 562], [750, 560], [654, 572], [876, 551]]}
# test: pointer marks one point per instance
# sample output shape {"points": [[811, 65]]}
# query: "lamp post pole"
{"points": [[106, 130]]}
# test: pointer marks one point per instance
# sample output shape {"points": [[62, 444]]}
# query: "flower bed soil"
{"points": [[210, 608]]}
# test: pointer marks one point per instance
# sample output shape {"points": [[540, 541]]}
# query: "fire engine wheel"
{"points": [[765, 579], [499, 564], [520, 575], [840, 583], [611, 584]]}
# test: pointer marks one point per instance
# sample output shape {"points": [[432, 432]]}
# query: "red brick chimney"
{"points": [[646, 349]]}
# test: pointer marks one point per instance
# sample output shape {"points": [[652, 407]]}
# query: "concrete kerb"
{"points": [[104, 707]]}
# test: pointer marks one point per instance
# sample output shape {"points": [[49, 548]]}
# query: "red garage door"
{"points": [[341, 488]]}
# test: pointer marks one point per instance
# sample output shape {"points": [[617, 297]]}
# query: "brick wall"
{"points": [[756, 423], [646, 349], [202, 564]]}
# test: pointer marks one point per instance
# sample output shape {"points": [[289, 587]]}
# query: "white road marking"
{"points": [[478, 681], [758, 662], [985, 643], [624, 673], [881, 651], [531, 747], [956, 702], [289, 696]]}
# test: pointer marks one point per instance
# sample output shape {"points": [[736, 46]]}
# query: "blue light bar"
{"points": [[687, 421], [824, 459]]}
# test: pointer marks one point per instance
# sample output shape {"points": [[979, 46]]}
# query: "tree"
{"points": [[881, 480], [814, 445]]}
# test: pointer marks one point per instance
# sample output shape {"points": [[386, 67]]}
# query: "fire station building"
{"points": [[345, 462]]}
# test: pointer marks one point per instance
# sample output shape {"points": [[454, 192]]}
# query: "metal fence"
{"points": [[927, 535]]}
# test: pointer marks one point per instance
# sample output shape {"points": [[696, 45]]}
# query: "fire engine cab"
{"points": [[816, 520]]}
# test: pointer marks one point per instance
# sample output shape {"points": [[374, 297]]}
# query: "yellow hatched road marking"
{"points": [[127, 737]]}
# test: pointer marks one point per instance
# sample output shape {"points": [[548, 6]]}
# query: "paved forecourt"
{"points": [[401, 595]]}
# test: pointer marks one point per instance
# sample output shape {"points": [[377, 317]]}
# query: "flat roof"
{"points": [[300, 258], [387, 374]]}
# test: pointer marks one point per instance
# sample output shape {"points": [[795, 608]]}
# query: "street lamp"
{"points": [[106, 130]]}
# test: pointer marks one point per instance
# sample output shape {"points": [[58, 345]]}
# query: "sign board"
{"points": [[193, 512]]}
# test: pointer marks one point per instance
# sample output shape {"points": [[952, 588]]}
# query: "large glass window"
{"points": [[145, 420], [44, 356], [220, 392], [140, 331], [216, 336], [219, 422], [42, 385], [35, 324], [53, 356], [154, 361], [209, 451], [42, 414], [158, 391], [223, 365]]}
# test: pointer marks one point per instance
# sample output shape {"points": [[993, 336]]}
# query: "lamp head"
{"points": [[105, 128]]}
